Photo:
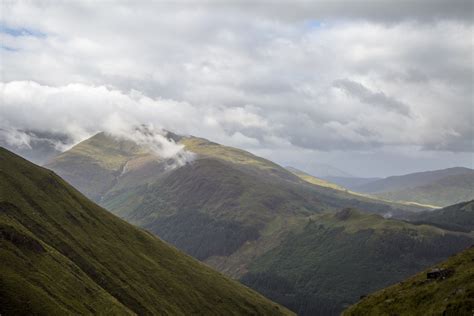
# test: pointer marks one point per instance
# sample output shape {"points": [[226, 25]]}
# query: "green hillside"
{"points": [[228, 196], [442, 192], [458, 217], [418, 295], [62, 255], [227, 207], [336, 258]]}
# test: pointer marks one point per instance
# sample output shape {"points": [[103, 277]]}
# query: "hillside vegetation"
{"points": [[243, 214], [336, 258], [458, 217], [63, 255], [418, 295]]}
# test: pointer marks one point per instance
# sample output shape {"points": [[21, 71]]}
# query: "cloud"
{"points": [[381, 10], [361, 92], [252, 76]]}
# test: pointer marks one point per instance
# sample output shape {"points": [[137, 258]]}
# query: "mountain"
{"points": [[439, 188], [442, 192], [419, 295], [322, 170], [459, 217], [36, 146], [62, 254], [314, 180], [411, 180], [333, 259], [351, 183], [223, 199], [232, 209]]}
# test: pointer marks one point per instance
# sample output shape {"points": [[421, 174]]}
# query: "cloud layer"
{"points": [[315, 79]]}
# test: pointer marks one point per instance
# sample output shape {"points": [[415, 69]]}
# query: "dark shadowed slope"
{"points": [[458, 217], [62, 254], [333, 259], [453, 295]]}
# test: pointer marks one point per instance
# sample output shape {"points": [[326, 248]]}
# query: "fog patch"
{"points": [[152, 138]]}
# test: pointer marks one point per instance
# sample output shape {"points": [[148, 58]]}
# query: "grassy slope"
{"points": [[458, 217], [229, 207], [443, 192], [418, 296], [336, 258], [62, 254]]}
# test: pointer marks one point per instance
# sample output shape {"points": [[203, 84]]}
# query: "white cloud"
{"points": [[249, 76]]}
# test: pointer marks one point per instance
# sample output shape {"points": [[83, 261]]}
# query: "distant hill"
{"points": [[418, 295], [322, 170], [333, 259], [61, 254], [35, 146], [459, 217], [411, 180], [351, 183], [445, 191], [438, 188], [311, 179]]}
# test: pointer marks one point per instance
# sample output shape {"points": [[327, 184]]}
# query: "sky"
{"points": [[373, 88]]}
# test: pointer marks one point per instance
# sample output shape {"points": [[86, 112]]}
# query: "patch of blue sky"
{"points": [[20, 31], [313, 24], [8, 48]]}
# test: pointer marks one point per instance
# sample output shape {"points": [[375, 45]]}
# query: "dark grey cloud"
{"points": [[380, 10], [378, 99]]}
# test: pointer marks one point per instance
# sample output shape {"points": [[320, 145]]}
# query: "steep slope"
{"points": [[62, 254], [335, 258], [453, 295], [442, 192], [458, 217]]}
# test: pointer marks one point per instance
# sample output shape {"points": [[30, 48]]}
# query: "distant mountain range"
{"points": [[61, 254], [293, 237], [452, 293], [438, 188], [323, 170], [351, 183]]}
